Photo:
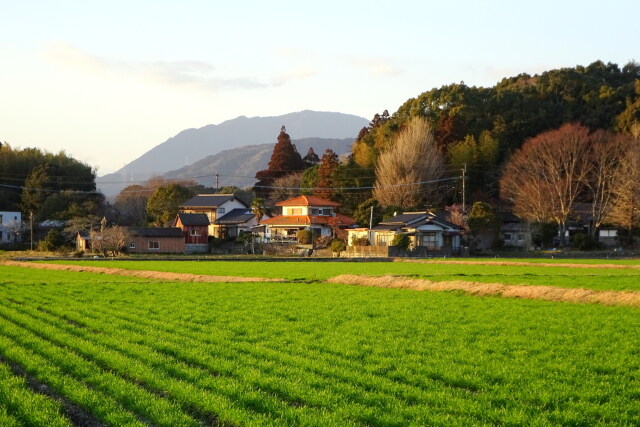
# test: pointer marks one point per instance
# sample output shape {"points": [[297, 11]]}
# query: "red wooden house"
{"points": [[195, 228]]}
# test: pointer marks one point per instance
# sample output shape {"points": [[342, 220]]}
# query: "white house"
{"points": [[427, 232], [305, 213], [216, 206], [10, 226]]}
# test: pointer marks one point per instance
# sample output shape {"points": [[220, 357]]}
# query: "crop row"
{"points": [[319, 354]]}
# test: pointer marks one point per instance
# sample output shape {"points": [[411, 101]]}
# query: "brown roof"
{"points": [[306, 220], [307, 201]]}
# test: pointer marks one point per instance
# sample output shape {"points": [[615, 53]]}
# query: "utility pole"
{"points": [[464, 199], [217, 182], [31, 227], [370, 226]]}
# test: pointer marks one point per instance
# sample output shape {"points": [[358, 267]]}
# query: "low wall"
{"points": [[196, 248]]}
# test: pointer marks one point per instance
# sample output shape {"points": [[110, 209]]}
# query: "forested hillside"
{"points": [[481, 127], [52, 186]]}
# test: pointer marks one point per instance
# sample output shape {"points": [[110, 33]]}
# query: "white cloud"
{"points": [[378, 67], [199, 75]]}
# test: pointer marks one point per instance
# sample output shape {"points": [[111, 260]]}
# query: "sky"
{"points": [[106, 81]]}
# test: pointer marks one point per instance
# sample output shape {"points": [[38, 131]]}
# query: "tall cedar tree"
{"points": [[311, 159], [327, 182], [285, 159]]}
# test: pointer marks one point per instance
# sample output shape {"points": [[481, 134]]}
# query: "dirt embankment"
{"points": [[521, 264], [147, 274], [547, 293]]}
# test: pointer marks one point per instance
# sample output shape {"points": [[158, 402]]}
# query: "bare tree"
{"points": [[131, 204], [606, 154], [544, 178], [286, 187], [109, 240], [404, 170], [625, 213]]}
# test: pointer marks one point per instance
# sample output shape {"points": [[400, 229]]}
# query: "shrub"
{"points": [[338, 246], [323, 242], [585, 242], [401, 241], [304, 237], [52, 242], [360, 241], [78, 254]]}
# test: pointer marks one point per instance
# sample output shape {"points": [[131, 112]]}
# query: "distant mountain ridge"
{"points": [[238, 166], [192, 145]]}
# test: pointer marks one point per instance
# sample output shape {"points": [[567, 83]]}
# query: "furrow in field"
{"points": [[54, 344], [272, 384], [377, 387], [79, 393], [135, 370], [546, 293], [26, 406]]}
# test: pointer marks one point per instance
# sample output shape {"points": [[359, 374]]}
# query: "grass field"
{"points": [[91, 349], [587, 278]]}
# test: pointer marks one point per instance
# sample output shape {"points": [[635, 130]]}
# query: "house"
{"points": [[195, 229], [305, 213], [10, 227], [155, 240], [83, 241], [516, 234], [428, 233], [237, 221], [214, 206]]}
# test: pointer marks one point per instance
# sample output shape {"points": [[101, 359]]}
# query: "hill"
{"points": [[238, 166], [192, 145]]}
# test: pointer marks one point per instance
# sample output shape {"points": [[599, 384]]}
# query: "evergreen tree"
{"points": [[328, 182], [285, 159]]}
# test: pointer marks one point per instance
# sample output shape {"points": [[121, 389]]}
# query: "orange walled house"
{"points": [[305, 213], [155, 240]]}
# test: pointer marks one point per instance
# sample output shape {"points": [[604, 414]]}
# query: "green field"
{"points": [[85, 349], [587, 278]]}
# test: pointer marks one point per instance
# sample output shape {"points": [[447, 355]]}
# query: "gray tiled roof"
{"points": [[156, 232], [406, 218], [207, 200], [235, 216], [191, 219]]}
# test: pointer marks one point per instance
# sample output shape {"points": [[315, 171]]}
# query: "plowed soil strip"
{"points": [[146, 274], [547, 293], [521, 264]]}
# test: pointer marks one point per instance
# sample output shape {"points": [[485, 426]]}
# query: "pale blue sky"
{"points": [[107, 81]]}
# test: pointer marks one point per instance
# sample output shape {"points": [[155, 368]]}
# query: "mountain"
{"points": [[238, 166], [192, 145]]}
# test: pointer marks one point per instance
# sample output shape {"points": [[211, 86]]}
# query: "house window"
{"points": [[507, 236], [194, 232], [132, 245], [383, 239], [521, 237], [154, 245], [0, 219], [608, 233], [314, 211], [428, 240], [220, 211], [296, 211], [1, 235]]}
